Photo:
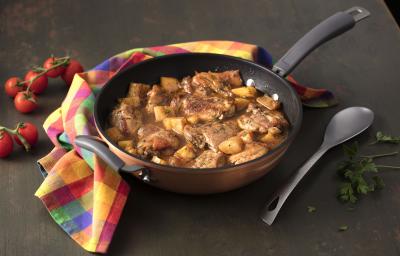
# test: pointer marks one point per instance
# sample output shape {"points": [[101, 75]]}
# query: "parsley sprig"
{"points": [[354, 172], [384, 138]]}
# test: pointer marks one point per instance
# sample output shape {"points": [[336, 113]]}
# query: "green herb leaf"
{"points": [[343, 228], [351, 151], [354, 172], [384, 138], [346, 193], [311, 209]]}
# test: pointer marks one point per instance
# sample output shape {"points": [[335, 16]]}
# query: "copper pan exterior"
{"points": [[197, 181]]}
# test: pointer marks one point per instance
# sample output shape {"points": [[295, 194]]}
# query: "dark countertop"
{"points": [[362, 67]]}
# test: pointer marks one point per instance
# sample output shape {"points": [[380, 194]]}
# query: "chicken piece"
{"points": [[211, 134], [176, 161], [194, 135], [231, 77], [207, 82], [148, 130], [260, 119], [186, 85], [209, 159], [127, 119], [269, 102], [208, 108], [216, 133], [156, 97], [251, 151], [154, 140]]}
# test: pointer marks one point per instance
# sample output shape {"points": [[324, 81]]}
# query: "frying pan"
{"points": [[213, 180]]}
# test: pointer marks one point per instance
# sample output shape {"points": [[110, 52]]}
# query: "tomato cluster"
{"points": [[35, 82], [25, 134]]}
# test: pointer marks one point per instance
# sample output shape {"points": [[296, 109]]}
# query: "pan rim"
{"points": [[149, 164]]}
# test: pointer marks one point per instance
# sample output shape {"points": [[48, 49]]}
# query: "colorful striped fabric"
{"points": [[83, 195]]}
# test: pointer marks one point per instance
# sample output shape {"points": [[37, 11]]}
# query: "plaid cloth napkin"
{"points": [[82, 194]]}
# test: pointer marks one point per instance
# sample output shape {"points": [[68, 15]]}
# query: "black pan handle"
{"points": [[333, 26], [98, 147]]}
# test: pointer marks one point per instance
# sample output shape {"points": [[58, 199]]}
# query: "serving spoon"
{"points": [[343, 126]]}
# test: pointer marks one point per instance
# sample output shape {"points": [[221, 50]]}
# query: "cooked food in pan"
{"points": [[205, 121]]}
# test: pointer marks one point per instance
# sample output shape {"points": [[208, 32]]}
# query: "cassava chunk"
{"points": [[138, 90], [114, 134], [132, 101], [186, 152], [241, 103], [233, 145], [169, 84], [158, 160], [175, 123], [125, 143], [245, 91], [128, 146], [193, 119], [246, 136], [162, 112]]}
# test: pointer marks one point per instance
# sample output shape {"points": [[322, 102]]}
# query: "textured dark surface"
{"points": [[362, 67]]}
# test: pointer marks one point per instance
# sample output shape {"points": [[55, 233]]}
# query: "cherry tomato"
{"points": [[25, 102], [6, 144], [73, 67], [54, 72], [29, 132], [12, 86], [39, 85]]}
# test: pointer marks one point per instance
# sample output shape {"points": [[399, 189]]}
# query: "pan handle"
{"points": [[98, 147], [330, 28]]}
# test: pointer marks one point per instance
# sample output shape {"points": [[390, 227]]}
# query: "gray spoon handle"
{"points": [[277, 200]]}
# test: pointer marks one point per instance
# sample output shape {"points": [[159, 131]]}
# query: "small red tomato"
{"points": [[29, 132], [25, 102], [73, 67], [54, 72], [6, 144], [12, 86], [39, 85]]}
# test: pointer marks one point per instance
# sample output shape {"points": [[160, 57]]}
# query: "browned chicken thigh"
{"points": [[259, 119], [127, 119], [208, 108], [156, 140]]}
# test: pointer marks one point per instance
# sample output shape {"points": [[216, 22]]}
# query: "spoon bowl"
{"points": [[346, 124], [343, 126]]}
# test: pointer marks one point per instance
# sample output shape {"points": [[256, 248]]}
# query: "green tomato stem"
{"points": [[15, 132], [64, 61]]}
